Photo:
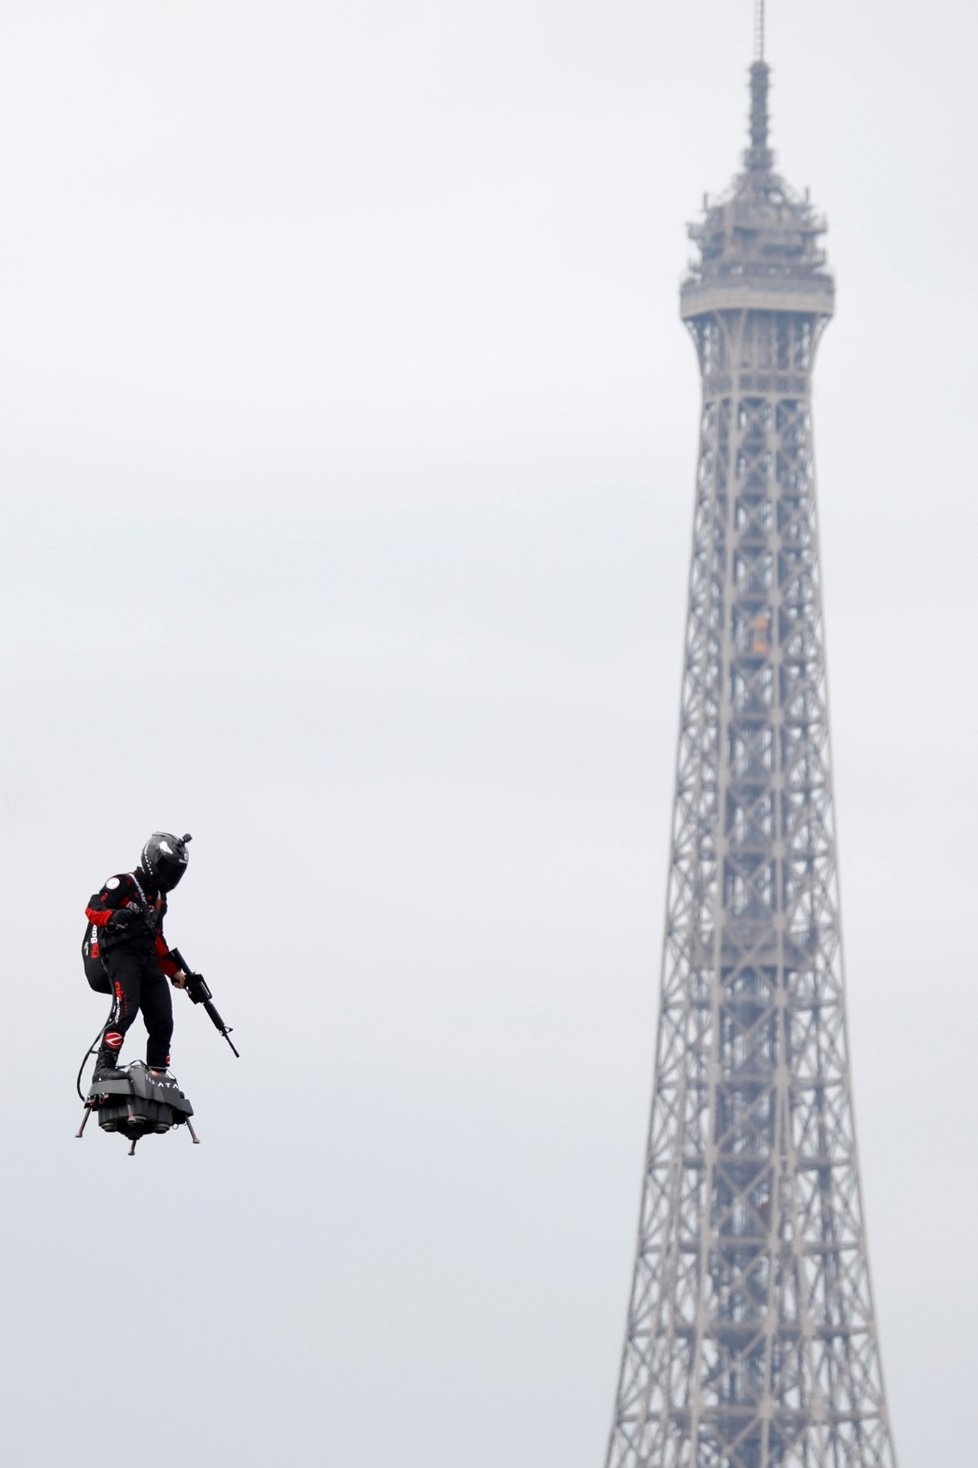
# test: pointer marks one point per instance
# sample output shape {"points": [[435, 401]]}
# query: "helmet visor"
{"points": [[169, 872]]}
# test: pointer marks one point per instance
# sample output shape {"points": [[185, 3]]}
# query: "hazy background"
{"points": [[347, 443]]}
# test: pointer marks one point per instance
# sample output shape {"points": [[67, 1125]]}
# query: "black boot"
{"points": [[158, 1069], [105, 1064]]}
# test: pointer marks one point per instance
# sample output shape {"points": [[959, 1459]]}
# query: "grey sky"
{"points": [[346, 448]]}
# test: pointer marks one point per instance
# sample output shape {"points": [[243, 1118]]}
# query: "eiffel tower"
{"points": [[751, 1339]]}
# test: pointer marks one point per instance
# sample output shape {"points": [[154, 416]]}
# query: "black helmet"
{"points": [[164, 859]]}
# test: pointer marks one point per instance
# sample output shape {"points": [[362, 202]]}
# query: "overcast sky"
{"points": [[347, 445]]}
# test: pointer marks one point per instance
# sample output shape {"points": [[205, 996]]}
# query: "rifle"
{"points": [[196, 987]]}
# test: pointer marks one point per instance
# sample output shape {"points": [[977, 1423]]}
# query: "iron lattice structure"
{"points": [[751, 1339]]}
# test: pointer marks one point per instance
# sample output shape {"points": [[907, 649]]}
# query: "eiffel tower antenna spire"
{"points": [[759, 157]]}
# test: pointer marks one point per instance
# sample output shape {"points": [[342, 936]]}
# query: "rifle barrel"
{"points": [[219, 1024]]}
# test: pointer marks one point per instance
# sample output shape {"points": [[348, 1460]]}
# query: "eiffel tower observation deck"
{"points": [[751, 1338]]}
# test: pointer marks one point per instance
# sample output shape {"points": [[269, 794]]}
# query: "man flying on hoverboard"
{"points": [[126, 955]]}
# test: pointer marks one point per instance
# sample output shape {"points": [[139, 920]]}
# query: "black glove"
{"points": [[127, 922]]}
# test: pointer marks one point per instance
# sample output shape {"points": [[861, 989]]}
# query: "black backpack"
{"points": [[94, 968]]}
